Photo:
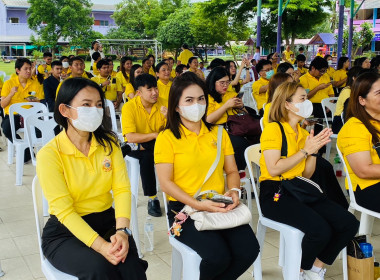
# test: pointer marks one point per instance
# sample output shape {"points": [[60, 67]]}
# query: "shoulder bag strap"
{"points": [[284, 145], [216, 162]]}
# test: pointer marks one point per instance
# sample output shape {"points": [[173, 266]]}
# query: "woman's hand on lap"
{"points": [[211, 206], [235, 199], [120, 245], [105, 250]]}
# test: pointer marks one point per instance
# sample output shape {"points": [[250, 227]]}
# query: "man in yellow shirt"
{"points": [[45, 68], [96, 57], [76, 65], [146, 65], [111, 86], [317, 85], [286, 54], [170, 62], [184, 56], [260, 87], [142, 120], [301, 59], [21, 88]]}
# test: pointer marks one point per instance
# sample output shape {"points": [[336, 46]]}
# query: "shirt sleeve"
{"points": [[227, 145], [163, 149], [6, 89], [211, 106], [128, 119], [40, 69], [52, 179], [121, 187], [355, 139], [271, 138]]}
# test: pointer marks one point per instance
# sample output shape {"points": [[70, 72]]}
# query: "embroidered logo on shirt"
{"points": [[107, 166]]}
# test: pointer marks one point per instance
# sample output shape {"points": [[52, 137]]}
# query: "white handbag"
{"points": [[204, 220]]}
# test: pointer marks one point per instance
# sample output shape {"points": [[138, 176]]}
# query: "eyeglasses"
{"points": [[224, 83], [322, 71]]}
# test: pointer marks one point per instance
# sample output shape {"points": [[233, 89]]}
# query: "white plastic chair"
{"points": [[332, 107], [21, 144], [133, 168], [111, 107], [50, 272], [248, 99], [185, 260], [3, 74], [262, 123], [7, 78], [124, 97], [45, 123], [342, 117], [367, 216], [290, 237]]}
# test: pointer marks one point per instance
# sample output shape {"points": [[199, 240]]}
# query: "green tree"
{"points": [[361, 39], [66, 19]]}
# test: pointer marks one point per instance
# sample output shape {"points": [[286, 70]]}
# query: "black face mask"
{"points": [[377, 148]]}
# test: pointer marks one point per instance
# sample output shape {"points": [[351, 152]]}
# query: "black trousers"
{"points": [[328, 227], [239, 143], [70, 255], [337, 124], [6, 126], [226, 254], [148, 175], [369, 197]]}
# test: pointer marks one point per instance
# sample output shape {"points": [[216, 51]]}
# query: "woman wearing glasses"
{"points": [[359, 140], [223, 103]]}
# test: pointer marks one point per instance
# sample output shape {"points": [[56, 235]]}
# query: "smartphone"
{"points": [[222, 199], [240, 95]]}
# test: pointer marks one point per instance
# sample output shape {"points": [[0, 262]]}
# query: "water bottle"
{"points": [[148, 235], [338, 166], [366, 249]]}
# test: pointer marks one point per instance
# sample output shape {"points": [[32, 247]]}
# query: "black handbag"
{"points": [[303, 189]]}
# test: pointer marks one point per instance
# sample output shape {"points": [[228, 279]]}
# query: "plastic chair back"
{"points": [[350, 189], [331, 106], [111, 108], [20, 109], [252, 156], [46, 124], [262, 123], [342, 117]]}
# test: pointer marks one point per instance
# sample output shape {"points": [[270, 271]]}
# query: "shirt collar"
{"points": [[65, 145], [289, 130], [139, 104], [203, 130]]}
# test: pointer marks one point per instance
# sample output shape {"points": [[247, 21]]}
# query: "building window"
{"points": [[101, 22], [13, 20]]}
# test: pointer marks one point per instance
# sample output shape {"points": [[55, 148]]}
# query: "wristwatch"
{"points": [[126, 230], [236, 189], [101, 85]]}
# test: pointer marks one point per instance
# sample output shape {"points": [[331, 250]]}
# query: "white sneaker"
{"points": [[312, 275]]}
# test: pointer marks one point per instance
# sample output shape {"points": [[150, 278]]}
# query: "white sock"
{"points": [[316, 269]]}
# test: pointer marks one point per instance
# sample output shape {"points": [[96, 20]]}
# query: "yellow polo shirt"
{"points": [[309, 83], [136, 119], [287, 54], [343, 96], [292, 61], [172, 74], [354, 137], [271, 139], [152, 72], [163, 91], [95, 70], [275, 68], [122, 79], [76, 185], [41, 69], [22, 93], [192, 156], [66, 72], [302, 70], [111, 90], [213, 106], [330, 71], [129, 89], [184, 56], [260, 98], [340, 75], [266, 114]]}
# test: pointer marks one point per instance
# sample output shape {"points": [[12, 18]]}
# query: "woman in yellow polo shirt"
{"points": [[235, 75], [359, 138], [82, 172], [344, 95], [274, 82], [222, 103], [327, 226], [184, 153], [330, 70], [163, 82], [192, 65], [136, 70], [340, 75], [125, 71]]}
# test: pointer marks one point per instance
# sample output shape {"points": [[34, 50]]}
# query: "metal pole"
{"points": [[340, 28], [258, 33], [279, 22], [155, 49], [373, 46], [351, 29]]}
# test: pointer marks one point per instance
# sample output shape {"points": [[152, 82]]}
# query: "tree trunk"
{"points": [[197, 53], [230, 47], [205, 48]]}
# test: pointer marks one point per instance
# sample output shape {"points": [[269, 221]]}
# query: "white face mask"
{"points": [[305, 109], [329, 62], [193, 113], [65, 64], [89, 118]]}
